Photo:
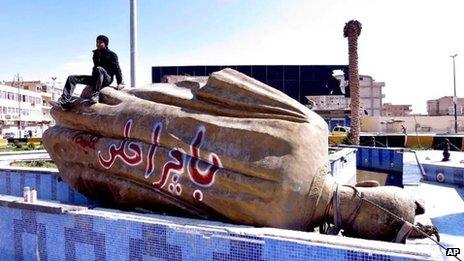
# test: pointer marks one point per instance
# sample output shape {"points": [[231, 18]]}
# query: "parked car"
{"points": [[8, 135], [340, 130]]}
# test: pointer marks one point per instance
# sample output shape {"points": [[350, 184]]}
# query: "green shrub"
{"points": [[31, 146], [17, 144], [419, 147]]}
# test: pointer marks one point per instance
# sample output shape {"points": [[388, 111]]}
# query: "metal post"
{"points": [[133, 40], [19, 104], [455, 97]]}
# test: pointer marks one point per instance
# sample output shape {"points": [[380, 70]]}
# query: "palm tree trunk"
{"points": [[352, 30], [354, 88]]}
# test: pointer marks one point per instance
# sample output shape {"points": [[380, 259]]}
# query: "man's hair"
{"points": [[103, 39]]}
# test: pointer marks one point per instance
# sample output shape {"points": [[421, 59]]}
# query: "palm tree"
{"points": [[352, 30]]}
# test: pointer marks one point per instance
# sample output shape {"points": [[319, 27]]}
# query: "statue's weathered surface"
{"points": [[233, 149]]}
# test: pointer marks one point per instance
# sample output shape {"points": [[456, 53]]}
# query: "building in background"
{"points": [[335, 109], [444, 106], [396, 109], [371, 94], [297, 81], [25, 107], [323, 88]]}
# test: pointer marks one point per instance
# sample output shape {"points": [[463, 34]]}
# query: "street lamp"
{"points": [[133, 41], [455, 99]]}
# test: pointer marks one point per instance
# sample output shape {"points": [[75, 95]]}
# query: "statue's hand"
{"points": [[427, 230]]}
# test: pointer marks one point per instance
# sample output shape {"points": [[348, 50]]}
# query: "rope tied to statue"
{"points": [[407, 227], [335, 206], [402, 234]]}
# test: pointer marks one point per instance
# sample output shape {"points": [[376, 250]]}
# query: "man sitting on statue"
{"points": [[106, 66]]}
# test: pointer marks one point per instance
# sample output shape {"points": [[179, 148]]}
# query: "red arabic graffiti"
{"points": [[155, 136], [120, 151], [86, 140], [176, 166], [131, 153], [204, 178]]}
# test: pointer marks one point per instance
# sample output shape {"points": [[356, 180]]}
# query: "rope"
{"points": [[336, 212], [404, 232], [355, 213], [402, 220]]}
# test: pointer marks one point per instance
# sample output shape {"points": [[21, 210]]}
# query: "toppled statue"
{"points": [[232, 149]]}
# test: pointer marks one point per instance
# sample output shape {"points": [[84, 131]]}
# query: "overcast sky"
{"points": [[406, 44]]}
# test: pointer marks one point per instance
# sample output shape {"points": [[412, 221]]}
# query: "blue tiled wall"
{"points": [[382, 159], [386, 160], [33, 235], [46, 183], [452, 175]]}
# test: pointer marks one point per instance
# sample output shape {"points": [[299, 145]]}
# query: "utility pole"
{"points": [[53, 88], [455, 98], [19, 85], [133, 40]]}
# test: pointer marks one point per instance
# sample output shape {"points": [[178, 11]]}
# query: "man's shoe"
{"points": [[63, 105], [95, 98]]}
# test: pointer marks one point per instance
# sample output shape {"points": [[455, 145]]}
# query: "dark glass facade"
{"points": [[297, 81]]}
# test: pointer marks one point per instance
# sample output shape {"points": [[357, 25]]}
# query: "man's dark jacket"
{"points": [[109, 61]]}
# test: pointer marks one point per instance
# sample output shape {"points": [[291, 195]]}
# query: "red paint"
{"points": [[198, 195], [178, 189], [120, 151], [179, 160], [155, 136], [176, 165], [86, 140], [205, 177]]}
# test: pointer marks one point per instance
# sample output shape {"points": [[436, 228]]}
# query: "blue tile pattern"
{"points": [[35, 235], [28, 224], [387, 160], [154, 244], [444, 174], [83, 233], [47, 185], [382, 159]]}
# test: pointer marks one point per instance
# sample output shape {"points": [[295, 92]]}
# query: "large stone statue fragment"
{"points": [[232, 149]]}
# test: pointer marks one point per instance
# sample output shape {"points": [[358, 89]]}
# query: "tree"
{"points": [[352, 30]]}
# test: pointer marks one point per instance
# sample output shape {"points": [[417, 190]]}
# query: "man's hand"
{"points": [[120, 86]]}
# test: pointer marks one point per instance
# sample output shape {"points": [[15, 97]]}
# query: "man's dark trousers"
{"points": [[99, 79]]}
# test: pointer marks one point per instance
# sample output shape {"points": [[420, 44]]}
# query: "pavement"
{"points": [[7, 157], [444, 204]]}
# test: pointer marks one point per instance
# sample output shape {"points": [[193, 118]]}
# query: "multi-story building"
{"points": [[329, 102], [370, 93], [396, 109], [25, 107], [445, 106], [335, 109]]}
